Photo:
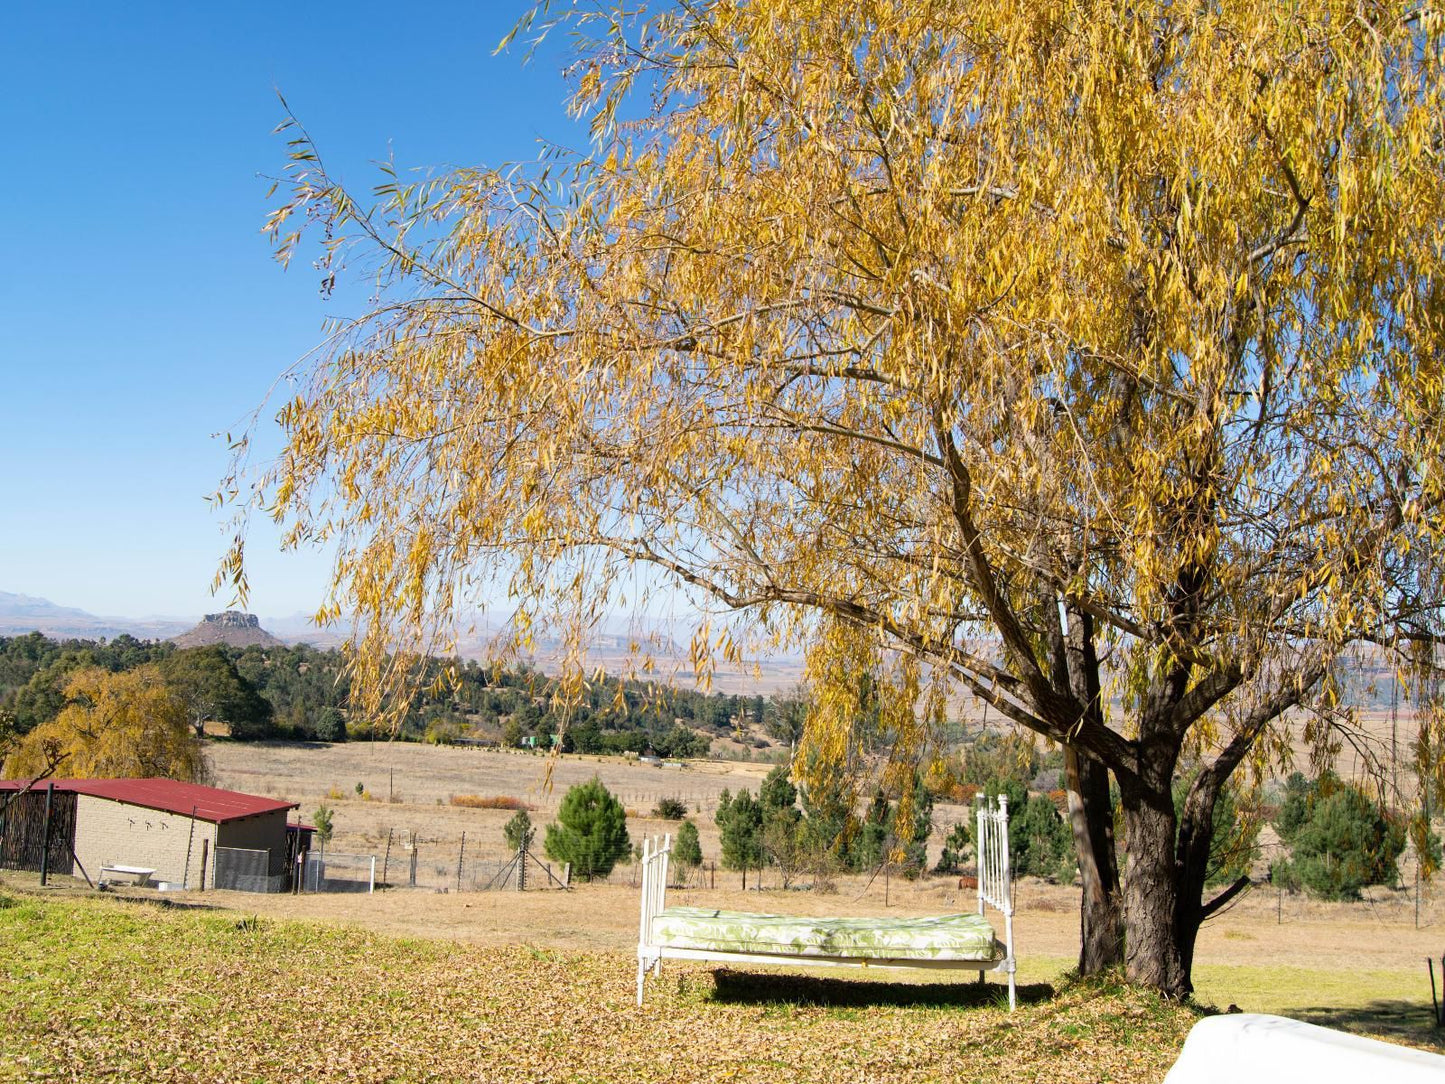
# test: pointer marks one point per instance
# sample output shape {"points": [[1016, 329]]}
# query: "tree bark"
{"points": [[1091, 814], [1101, 912], [1153, 954]]}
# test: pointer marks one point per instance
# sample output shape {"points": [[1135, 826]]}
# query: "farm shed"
{"points": [[179, 831]]}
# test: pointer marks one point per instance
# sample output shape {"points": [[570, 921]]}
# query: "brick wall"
{"points": [[111, 833]]}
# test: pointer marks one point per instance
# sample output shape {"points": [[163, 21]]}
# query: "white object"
{"points": [[140, 873], [1241, 1048], [994, 888]]}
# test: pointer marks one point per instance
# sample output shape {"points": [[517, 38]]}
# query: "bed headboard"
{"points": [[654, 883], [995, 881]]}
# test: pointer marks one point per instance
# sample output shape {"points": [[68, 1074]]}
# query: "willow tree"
{"points": [[112, 726], [1083, 358]]}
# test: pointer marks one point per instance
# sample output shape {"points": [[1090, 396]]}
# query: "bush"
{"points": [[330, 726], [957, 845], [518, 832], [324, 826], [591, 831], [442, 730], [499, 801], [740, 820], [670, 809], [1339, 840]]}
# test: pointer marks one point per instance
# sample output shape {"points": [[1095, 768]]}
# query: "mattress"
{"points": [[937, 937]]}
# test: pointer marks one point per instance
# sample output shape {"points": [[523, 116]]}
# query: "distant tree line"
{"points": [[299, 692]]}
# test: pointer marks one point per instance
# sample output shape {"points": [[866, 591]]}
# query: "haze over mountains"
{"points": [[21, 614]]}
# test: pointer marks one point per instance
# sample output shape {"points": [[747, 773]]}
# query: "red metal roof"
{"points": [[169, 795]]}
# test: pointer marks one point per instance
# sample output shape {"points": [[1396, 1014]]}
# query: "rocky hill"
{"points": [[232, 627]]}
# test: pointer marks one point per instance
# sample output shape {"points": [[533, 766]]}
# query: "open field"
{"points": [[99, 989], [419, 780], [1357, 965], [206, 988]]}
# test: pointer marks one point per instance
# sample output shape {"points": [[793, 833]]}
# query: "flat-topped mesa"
{"points": [[233, 619], [231, 627]]}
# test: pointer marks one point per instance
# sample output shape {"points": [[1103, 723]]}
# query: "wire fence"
{"points": [[326, 872]]}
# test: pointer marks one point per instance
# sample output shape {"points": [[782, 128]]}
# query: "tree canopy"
{"points": [[967, 343], [114, 726]]}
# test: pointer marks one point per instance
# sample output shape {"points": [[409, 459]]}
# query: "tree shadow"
{"points": [[165, 902], [1407, 1021], [765, 988]]}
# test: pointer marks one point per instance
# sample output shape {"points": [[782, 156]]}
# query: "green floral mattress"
{"points": [[938, 937]]}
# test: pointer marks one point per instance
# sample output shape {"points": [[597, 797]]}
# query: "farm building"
{"points": [[151, 830]]}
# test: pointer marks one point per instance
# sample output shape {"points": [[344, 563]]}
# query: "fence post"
{"points": [[414, 848], [522, 867], [205, 853], [461, 856], [387, 858], [371, 883]]}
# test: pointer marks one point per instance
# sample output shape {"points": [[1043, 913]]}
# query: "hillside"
{"points": [[233, 628]]}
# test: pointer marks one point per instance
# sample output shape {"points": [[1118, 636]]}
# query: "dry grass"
{"points": [[95, 989], [1322, 961], [499, 801], [426, 777], [122, 988]]}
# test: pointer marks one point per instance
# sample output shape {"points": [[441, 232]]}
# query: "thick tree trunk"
{"points": [[1091, 815], [1153, 954], [1101, 912]]}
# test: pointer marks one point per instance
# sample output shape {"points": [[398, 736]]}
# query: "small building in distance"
{"points": [[183, 833]]}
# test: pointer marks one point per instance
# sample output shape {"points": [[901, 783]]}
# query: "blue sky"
{"points": [[141, 310]]}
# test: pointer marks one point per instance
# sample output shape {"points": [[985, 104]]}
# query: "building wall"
{"points": [[263, 832], [111, 833]]}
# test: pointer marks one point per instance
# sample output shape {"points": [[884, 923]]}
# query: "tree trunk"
{"points": [[1196, 834], [1101, 912], [1151, 892], [1091, 815]]}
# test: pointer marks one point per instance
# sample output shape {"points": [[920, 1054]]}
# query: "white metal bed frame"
{"points": [[994, 888]]}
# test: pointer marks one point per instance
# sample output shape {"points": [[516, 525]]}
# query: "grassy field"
{"points": [[414, 985], [1266, 953], [97, 989], [130, 987], [410, 787], [422, 984]]}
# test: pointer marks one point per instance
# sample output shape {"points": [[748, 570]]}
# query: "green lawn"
{"points": [[1387, 1004], [97, 989]]}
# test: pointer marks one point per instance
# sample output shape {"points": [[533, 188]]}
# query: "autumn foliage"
{"points": [[967, 344], [114, 726]]}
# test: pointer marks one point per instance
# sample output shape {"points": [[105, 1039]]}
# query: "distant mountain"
{"points": [[21, 614], [233, 628]]}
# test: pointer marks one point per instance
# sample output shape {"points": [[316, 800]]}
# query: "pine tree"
{"points": [[686, 847], [591, 831]]}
